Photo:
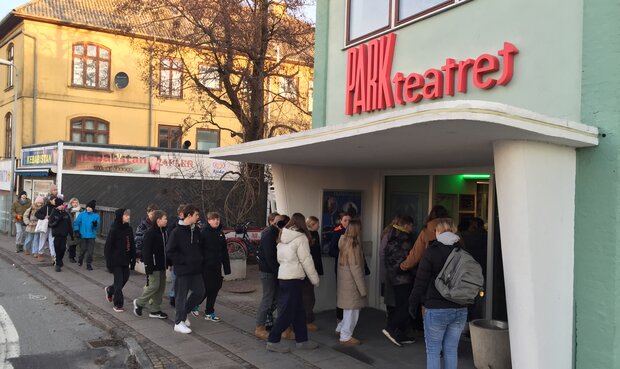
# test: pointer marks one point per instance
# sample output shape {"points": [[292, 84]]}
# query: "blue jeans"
{"points": [[32, 242], [442, 330]]}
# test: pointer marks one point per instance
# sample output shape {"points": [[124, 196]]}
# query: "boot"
{"points": [[261, 332], [288, 334], [40, 258], [26, 252], [312, 327]]}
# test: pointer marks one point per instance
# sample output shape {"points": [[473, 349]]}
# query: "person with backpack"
{"points": [[444, 320]]}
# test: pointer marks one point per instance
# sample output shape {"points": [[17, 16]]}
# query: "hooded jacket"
{"points": [[87, 223], [45, 211], [144, 226], [432, 262], [216, 251], [398, 245], [185, 250], [60, 223], [154, 249], [18, 209], [294, 257], [120, 248], [267, 250]]}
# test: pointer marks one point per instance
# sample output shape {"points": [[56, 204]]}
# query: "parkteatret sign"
{"points": [[370, 85]]}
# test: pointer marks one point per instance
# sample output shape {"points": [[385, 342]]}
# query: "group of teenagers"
{"points": [[50, 223]]}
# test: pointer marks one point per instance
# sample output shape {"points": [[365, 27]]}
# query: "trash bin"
{"points": [[490, 344]]}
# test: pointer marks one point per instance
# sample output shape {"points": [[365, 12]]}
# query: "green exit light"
{"points": [[476, 176]]}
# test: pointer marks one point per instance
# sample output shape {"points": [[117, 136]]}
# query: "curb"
{"points": [[138, 352]]}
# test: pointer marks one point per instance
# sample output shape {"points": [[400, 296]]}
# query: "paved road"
{"points": [[38, 331]]}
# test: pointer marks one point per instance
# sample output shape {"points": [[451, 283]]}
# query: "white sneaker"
{"points": [[182, 328], [187, 322]]}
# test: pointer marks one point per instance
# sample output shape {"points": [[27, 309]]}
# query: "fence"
{"points": [[106, 215]]}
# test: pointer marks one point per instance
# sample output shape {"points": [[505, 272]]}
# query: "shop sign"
{"points": [[5, 175], [194, 166], [38, 157], [370, 85]]}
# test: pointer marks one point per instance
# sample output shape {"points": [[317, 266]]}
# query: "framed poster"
{"points": [[334, 203]]}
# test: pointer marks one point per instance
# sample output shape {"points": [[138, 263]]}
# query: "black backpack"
{"points": [[460, 280]]}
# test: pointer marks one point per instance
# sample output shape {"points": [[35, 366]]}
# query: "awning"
{"points": [[32, 172], [438, 135]]}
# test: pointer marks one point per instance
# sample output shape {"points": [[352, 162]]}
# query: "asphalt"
{"points": [[227, 344]]}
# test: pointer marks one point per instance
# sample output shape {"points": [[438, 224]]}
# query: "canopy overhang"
{"points": [[438, 135]]}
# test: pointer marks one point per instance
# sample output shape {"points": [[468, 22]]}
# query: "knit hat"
{"points": [[92, 204], [22, 193], [59, 201]]}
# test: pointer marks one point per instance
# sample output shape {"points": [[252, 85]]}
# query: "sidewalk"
{"points": [[227, 344]]}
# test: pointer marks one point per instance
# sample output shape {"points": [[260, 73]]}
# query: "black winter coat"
{"points": [[154, 249], [60, 223], [315, 251], [143, 227], [120, 247], [185, 250], [216, 251], [46, 210], [268, 260], [398, 246], [424, 290]]}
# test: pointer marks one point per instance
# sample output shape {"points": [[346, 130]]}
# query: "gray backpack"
{"points": [[460, 280]]}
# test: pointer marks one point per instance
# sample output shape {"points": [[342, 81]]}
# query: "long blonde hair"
{"points": [[352, 244]]}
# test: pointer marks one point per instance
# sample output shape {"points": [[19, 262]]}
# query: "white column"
{"points": [[536, 202]]}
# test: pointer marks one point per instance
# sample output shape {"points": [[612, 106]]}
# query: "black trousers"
{"points": [[213, 283], [401, 320], [121, 276], [189, 292], [60, 246], [290, 311], [307, 295]]}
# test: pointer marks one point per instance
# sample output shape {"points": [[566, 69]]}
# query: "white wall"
{"points": [[300, 189], [536, 202]]}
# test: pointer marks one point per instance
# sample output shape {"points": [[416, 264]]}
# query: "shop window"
{"points": [[170, 137], [171, 78], [209, 77], [90, 130], [411, 9], [91, 66], [288, 88], [10, 56], [367, 17], [8, 130], [207, 138]]}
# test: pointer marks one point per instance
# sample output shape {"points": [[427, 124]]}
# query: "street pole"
{"points": [[11, 64]]}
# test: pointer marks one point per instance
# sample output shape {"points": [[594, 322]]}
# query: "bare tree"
{"points": [[246, 57]]}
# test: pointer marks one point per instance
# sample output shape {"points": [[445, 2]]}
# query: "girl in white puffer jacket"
{"points": [[295, 264]]}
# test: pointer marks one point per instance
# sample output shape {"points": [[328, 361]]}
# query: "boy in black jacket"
{"points": [[119, 252], [187, 255], [216, 256], [60, 223], [154, 258]]}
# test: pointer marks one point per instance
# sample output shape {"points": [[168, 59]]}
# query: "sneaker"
{"points": [[118, 309], [212, 317], [277, 347], [187, 322], [57, 268], [195, 312], [80, 263], [158, 315], [172, 301], [182, 328], [108, 295], [89, 267], [392, 337], [307, 345], [137, 309], [72, 260], [352, 342], [406, 340]]}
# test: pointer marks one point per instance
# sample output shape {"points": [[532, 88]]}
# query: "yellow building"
{"points": [[79, 78]]}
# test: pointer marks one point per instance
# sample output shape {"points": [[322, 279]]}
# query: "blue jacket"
{"points": [[85, 224]]}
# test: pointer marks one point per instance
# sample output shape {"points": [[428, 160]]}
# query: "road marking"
{"points": [[9, 340]]}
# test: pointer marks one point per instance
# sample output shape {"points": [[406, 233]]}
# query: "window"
{"points": [[91, 66], [170, 136], [366, 18], [171, 78], [207, 138], [209, 77], [90, 130], [288, 87], [8, 130], [10, 56]]}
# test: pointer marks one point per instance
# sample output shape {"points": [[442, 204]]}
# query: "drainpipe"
{"points": [[34, 90]]}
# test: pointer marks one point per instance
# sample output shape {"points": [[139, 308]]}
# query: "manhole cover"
{"points": [[105, 343], [239, 288]]}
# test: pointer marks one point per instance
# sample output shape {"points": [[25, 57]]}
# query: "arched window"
{"points": [[91, 66], [10, 56], [8, 130], [91, 130]]}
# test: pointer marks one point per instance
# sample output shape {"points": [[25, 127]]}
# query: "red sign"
{"points": [[370, 85]]}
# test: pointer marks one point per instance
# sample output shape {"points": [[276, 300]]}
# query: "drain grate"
{"points": [[105, 343]]}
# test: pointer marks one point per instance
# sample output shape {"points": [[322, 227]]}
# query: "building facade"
{"points": [[499, 109]]}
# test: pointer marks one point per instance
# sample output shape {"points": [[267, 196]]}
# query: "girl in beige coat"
{"points": [[351, 283]]}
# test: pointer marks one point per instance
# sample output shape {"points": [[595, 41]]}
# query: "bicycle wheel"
{"points": [[236, 249]]}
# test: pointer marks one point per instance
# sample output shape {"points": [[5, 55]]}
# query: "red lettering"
{"points": [[434, 89], [359, 96], [351, 67], [508, 54], [386, 97], [414, 81], [398, 81], [485, 64], [449, 68], [373, 75], [461, 84]]}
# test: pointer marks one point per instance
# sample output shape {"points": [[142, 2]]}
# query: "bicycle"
{"points": [[247, 243]]}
